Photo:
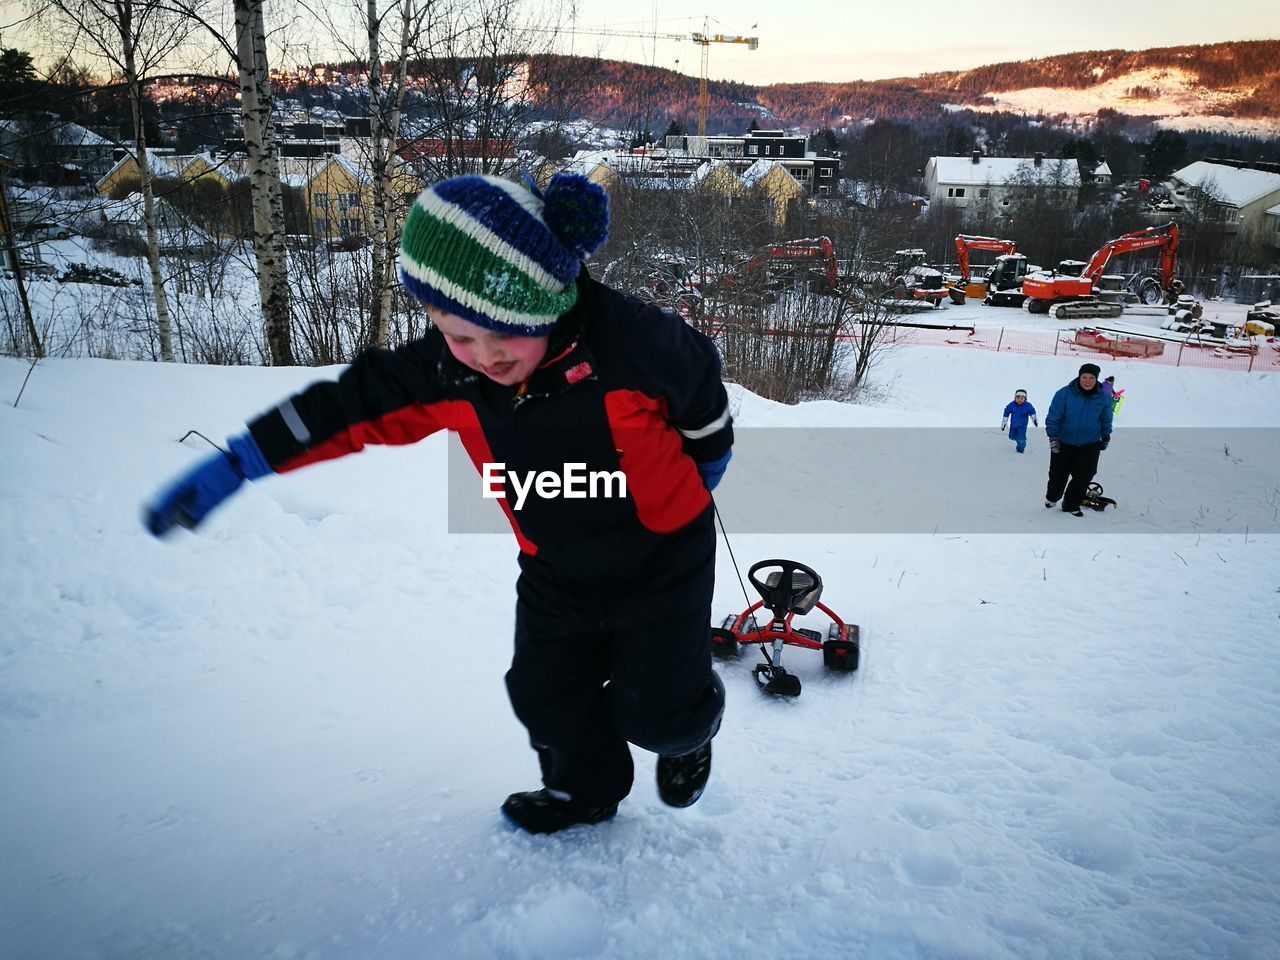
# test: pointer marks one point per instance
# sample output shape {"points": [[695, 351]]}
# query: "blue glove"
{"points": [[189, 499], [1055, 445], [1105, 441], [713, 470]]}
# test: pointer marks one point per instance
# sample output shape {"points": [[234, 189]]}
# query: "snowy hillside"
{"points": [[1174, 96], [287, 736]]}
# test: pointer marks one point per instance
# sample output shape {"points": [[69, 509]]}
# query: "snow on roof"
{"points": [[706, 169], [1102, 170], [62, 132], [127, 209], [161, 164], [72, 134], [358, 173], [1002, 169], [1274, 211], [1236, 186], [759, 170], [294, 171]]}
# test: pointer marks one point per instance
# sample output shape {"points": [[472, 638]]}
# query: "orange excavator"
{"points": [[1076, 297], [782, 259], [966, 286]]}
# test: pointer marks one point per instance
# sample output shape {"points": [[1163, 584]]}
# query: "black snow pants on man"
{"points": [[596, 668], [1071, 470]]}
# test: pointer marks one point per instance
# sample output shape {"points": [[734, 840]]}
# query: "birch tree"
{"points": [[135, 37], [386, 103], [264, 177]]}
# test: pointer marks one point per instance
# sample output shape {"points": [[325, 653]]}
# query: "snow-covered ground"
{"points": [[286, 736]]}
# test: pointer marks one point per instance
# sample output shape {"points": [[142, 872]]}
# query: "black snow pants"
{"points": [[595, 670], [1071, 470]]}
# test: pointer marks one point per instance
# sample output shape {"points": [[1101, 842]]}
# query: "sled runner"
{"points": [[791, 590]]}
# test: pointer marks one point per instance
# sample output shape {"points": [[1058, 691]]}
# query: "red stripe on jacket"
{"points": [[409, 424], [661, 479]]}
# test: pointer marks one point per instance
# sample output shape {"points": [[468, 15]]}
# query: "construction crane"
{"points": [[703, 39]]}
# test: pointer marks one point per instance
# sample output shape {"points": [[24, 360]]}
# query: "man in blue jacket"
{"points": [[1079, 428]]}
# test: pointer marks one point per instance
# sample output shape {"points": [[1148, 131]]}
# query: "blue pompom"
{"points": [[577, 212]]}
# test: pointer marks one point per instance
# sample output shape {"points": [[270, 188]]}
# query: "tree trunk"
{"points": [[7, 230], [264, 179], [163, 325], [384, 129]]}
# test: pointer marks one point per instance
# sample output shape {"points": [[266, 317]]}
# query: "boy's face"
{"points": [[1019, 398], [502, 358]]}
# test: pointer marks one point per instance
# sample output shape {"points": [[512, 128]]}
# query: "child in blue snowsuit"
{"points": [[1016, 414]]}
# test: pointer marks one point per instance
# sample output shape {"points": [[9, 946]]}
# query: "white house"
{"points": [[1240, 197], [988, 188]]}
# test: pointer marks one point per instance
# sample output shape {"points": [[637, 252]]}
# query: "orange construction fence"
{"points": [[1260, 354]]}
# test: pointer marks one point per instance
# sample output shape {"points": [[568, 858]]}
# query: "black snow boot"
{"points": [[543, 811], [682, 779]]}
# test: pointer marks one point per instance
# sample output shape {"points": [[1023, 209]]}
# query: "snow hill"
{"points": [[286, 736]]}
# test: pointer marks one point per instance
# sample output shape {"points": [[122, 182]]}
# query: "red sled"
{"points": [[791, 590]]}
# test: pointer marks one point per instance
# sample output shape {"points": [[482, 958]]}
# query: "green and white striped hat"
{"points": [[499, 253]]}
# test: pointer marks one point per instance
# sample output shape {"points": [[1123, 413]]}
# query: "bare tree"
{"points": [[135, 37]]}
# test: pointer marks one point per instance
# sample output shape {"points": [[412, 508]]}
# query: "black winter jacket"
{"points": [[625, 386]]}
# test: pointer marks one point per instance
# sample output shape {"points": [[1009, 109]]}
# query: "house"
{"points": [[65, 152], [775, 181], [339, 196], [987, 189], [123, 221], [1102, 174], [1238, 196], [162, 162], [819, 176], [718, 177]]}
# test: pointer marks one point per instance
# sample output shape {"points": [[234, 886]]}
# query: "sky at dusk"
{"points": [[824, 40], [840, 40]]}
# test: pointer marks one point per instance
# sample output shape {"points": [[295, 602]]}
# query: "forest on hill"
{"points": [[1246, 71]]}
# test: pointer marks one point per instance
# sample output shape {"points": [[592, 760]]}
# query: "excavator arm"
{"points": [[966, 242], [1165, 237], [817, 248]]}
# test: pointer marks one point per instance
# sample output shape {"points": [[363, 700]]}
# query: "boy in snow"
{"points": [[1016, 413], [1115, 396], [536, 365], [1079, 428]]}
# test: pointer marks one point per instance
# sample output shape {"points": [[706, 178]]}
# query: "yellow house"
{"points": [[601, 172], [339, 196], [200, 165], [772, 180], [188, 167], [716, 176], [543, 170]]}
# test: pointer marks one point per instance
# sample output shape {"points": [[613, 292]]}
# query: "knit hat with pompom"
{"points": [[500, 254]]}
